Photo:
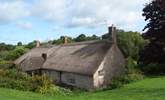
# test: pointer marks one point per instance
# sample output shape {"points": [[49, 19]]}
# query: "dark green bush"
{"points": [[14, 54], [132, 74], [153, 69], [5, 64], [127, 78], [40, 84], [15, 79]]}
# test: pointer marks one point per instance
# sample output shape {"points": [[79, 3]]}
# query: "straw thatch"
{"points": [[81, 58]]}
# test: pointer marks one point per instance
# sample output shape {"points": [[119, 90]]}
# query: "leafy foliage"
{"points": [[81, 38], [132, 74], [13, 78], [31, 45], [154, 52], [19, 44], [61, 40], [13, 54], [153, 69], [4, 47], [130, 43]]}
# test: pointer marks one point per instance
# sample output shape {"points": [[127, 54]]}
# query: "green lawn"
{"points": [[148, 89]]}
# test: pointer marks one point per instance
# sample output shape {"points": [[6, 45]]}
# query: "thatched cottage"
{"points": [[87, 65]]}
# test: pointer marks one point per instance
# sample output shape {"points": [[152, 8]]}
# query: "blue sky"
{"points": [[28, 20]]}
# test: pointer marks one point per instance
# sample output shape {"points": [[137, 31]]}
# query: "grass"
{"points": [[147, 89]]}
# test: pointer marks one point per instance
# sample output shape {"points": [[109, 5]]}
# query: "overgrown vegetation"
{"points": [[13, 78]]}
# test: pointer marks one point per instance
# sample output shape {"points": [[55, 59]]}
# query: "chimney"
{"points": [[65, 40], [112, 34], [37, 43]]}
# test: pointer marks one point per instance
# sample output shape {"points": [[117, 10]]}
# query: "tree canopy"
{"points": [[154, 52], [130, 43]]}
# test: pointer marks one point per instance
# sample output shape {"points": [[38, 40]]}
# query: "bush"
{"points": [[130, 43], [131, 64], [153, 69], [14, 54], [132, 74], [6, 64], [56, 90], [40, 84], [127, 78], [15, 79]]}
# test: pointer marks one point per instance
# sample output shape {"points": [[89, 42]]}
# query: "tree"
{"points": [[80, 38], [62, 39], [19, 44], [4, 47], [93, 37], [130, 43], [31, 45], [14, 54], [154, 52]]}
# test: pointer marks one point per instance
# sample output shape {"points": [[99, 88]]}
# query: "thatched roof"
{"points": [[81, 58], [36, 52]]}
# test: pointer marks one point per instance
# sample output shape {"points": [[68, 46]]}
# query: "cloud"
{"points": [[91, 12], [12, 10], [75, 13], [88, 13], [25, 25], [50, 10]]}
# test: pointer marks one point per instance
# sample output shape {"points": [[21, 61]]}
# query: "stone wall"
{"points": [[72, 79], [112, 66], [77, 80], [53, 75]]}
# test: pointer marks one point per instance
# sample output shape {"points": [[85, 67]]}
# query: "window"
{"points": [[101, 73], [71, 80]]}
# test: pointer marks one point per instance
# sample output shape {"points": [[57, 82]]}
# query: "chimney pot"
{"points": [[112, 33], [37, 43], [65, 40]]}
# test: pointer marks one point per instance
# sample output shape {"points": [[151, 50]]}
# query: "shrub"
{"points": [[127, 78], [12, 77], [5, 64], [56, 90], [14, 54], [15, 79], [40, 84], [132, 74], [131, 64], [153, 69]]}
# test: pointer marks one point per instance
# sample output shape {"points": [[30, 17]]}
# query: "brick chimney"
{"points": [[112, 34], [37, 43], [65, 40]]}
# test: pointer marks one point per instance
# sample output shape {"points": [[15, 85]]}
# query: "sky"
{"points": [[28, 20]]}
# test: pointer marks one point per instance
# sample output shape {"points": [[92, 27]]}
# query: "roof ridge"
{"points": [[84, 42]]}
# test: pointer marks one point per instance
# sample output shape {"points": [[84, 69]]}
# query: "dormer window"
{"points": [[44, 55]]}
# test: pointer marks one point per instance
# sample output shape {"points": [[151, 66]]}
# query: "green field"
{"points": [[147, 89]]}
